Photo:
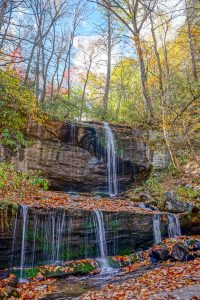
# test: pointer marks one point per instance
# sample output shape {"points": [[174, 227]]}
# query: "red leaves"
{"points": [[165, 279], [33, 289], [34, 197]]}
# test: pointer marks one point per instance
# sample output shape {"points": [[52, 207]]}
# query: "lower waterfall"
{"points": [[101, 237], [54, 236], [174, 228], [156, 228], [24, 213]]}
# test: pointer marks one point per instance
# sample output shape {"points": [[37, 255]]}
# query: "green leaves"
{"points": [[17, 107]]}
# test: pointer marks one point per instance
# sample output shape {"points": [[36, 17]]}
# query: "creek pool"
{"points": [[71, 288]]}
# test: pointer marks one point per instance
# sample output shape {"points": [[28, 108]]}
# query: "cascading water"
{"points": [[72, 141], [60, 228], [111, 161], [156, 228], [101, 236], [24, 212], [174, 228]]}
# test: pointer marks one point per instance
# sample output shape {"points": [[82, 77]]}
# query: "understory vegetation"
{"points": [[67, 68], [16, 185], [157, 87], [186, 187]]}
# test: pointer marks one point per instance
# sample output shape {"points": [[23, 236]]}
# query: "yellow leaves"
{"points": [[18, 104]]}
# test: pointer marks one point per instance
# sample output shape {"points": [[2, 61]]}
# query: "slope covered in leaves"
{"points": [[168, 277]]}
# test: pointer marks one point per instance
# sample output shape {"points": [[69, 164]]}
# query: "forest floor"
{"points": [[143, 279], [185, 185], [165, 282], [186, 188], [16, 188], [169, 280]]}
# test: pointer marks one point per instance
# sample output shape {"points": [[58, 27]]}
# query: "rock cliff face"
{"points": [[72, 156], [54, 235]]}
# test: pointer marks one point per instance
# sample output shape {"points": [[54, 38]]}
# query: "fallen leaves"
{"points": [[32, 289], [44, 199], [74, 267], [150, 284]]}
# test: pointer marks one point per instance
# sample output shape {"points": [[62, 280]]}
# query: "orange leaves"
{"points": [[33, 197], [33, 289], [168, 277]]}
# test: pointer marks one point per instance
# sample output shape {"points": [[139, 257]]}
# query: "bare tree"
{"points": [[189, 15], [90, 53], [157, 54], [133, 14], [109, 52]]}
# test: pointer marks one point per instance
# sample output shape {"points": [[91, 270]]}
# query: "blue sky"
{"points": [[92, 18]]}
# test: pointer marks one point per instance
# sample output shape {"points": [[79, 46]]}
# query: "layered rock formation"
{"points": [[54, 235], [72, 155]]}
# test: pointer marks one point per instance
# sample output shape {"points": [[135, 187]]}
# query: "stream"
{"points": [[73, 287]]}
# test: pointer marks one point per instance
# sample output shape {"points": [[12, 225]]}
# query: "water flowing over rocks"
{"points": [[39, 236], [75, 156]]}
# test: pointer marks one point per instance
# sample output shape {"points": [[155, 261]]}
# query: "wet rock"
{"points": [[131, 232], [74, 162], [196, 246], [190, 223], [179, 252], [190, 257], [159, 254], [173, 205]]}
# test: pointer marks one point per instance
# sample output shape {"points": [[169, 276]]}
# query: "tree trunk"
{"points": [[118, 105], [166, 136], [169, 93], [108, 75], [192, 53], [147, 100], [84, 91], [157, 57], [2, 12]]}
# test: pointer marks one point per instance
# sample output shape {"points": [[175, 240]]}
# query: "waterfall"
{"points": [[111, 161], [174, 228], [14, 240], [24, 212], [60, 228], [101, 236], [156, 228], [34, 238], [73, 143]]}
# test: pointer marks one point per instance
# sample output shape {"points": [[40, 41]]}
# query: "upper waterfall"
{"points": [[111, 157]]}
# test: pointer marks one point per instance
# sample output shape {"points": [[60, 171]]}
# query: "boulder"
{"points": [[196, 246], [173, 205], [159, 254], [179, 252], [193, 167]]}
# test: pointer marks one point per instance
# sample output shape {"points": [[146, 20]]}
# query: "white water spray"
{"points": [[156, 228], [111, 161], [174, 228], [24, 210], [101, 236]]}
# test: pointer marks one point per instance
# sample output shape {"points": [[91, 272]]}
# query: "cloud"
{"points": [[91, 46]]}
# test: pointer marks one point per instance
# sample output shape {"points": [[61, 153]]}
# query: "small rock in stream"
{"points": [[179, 252]]}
